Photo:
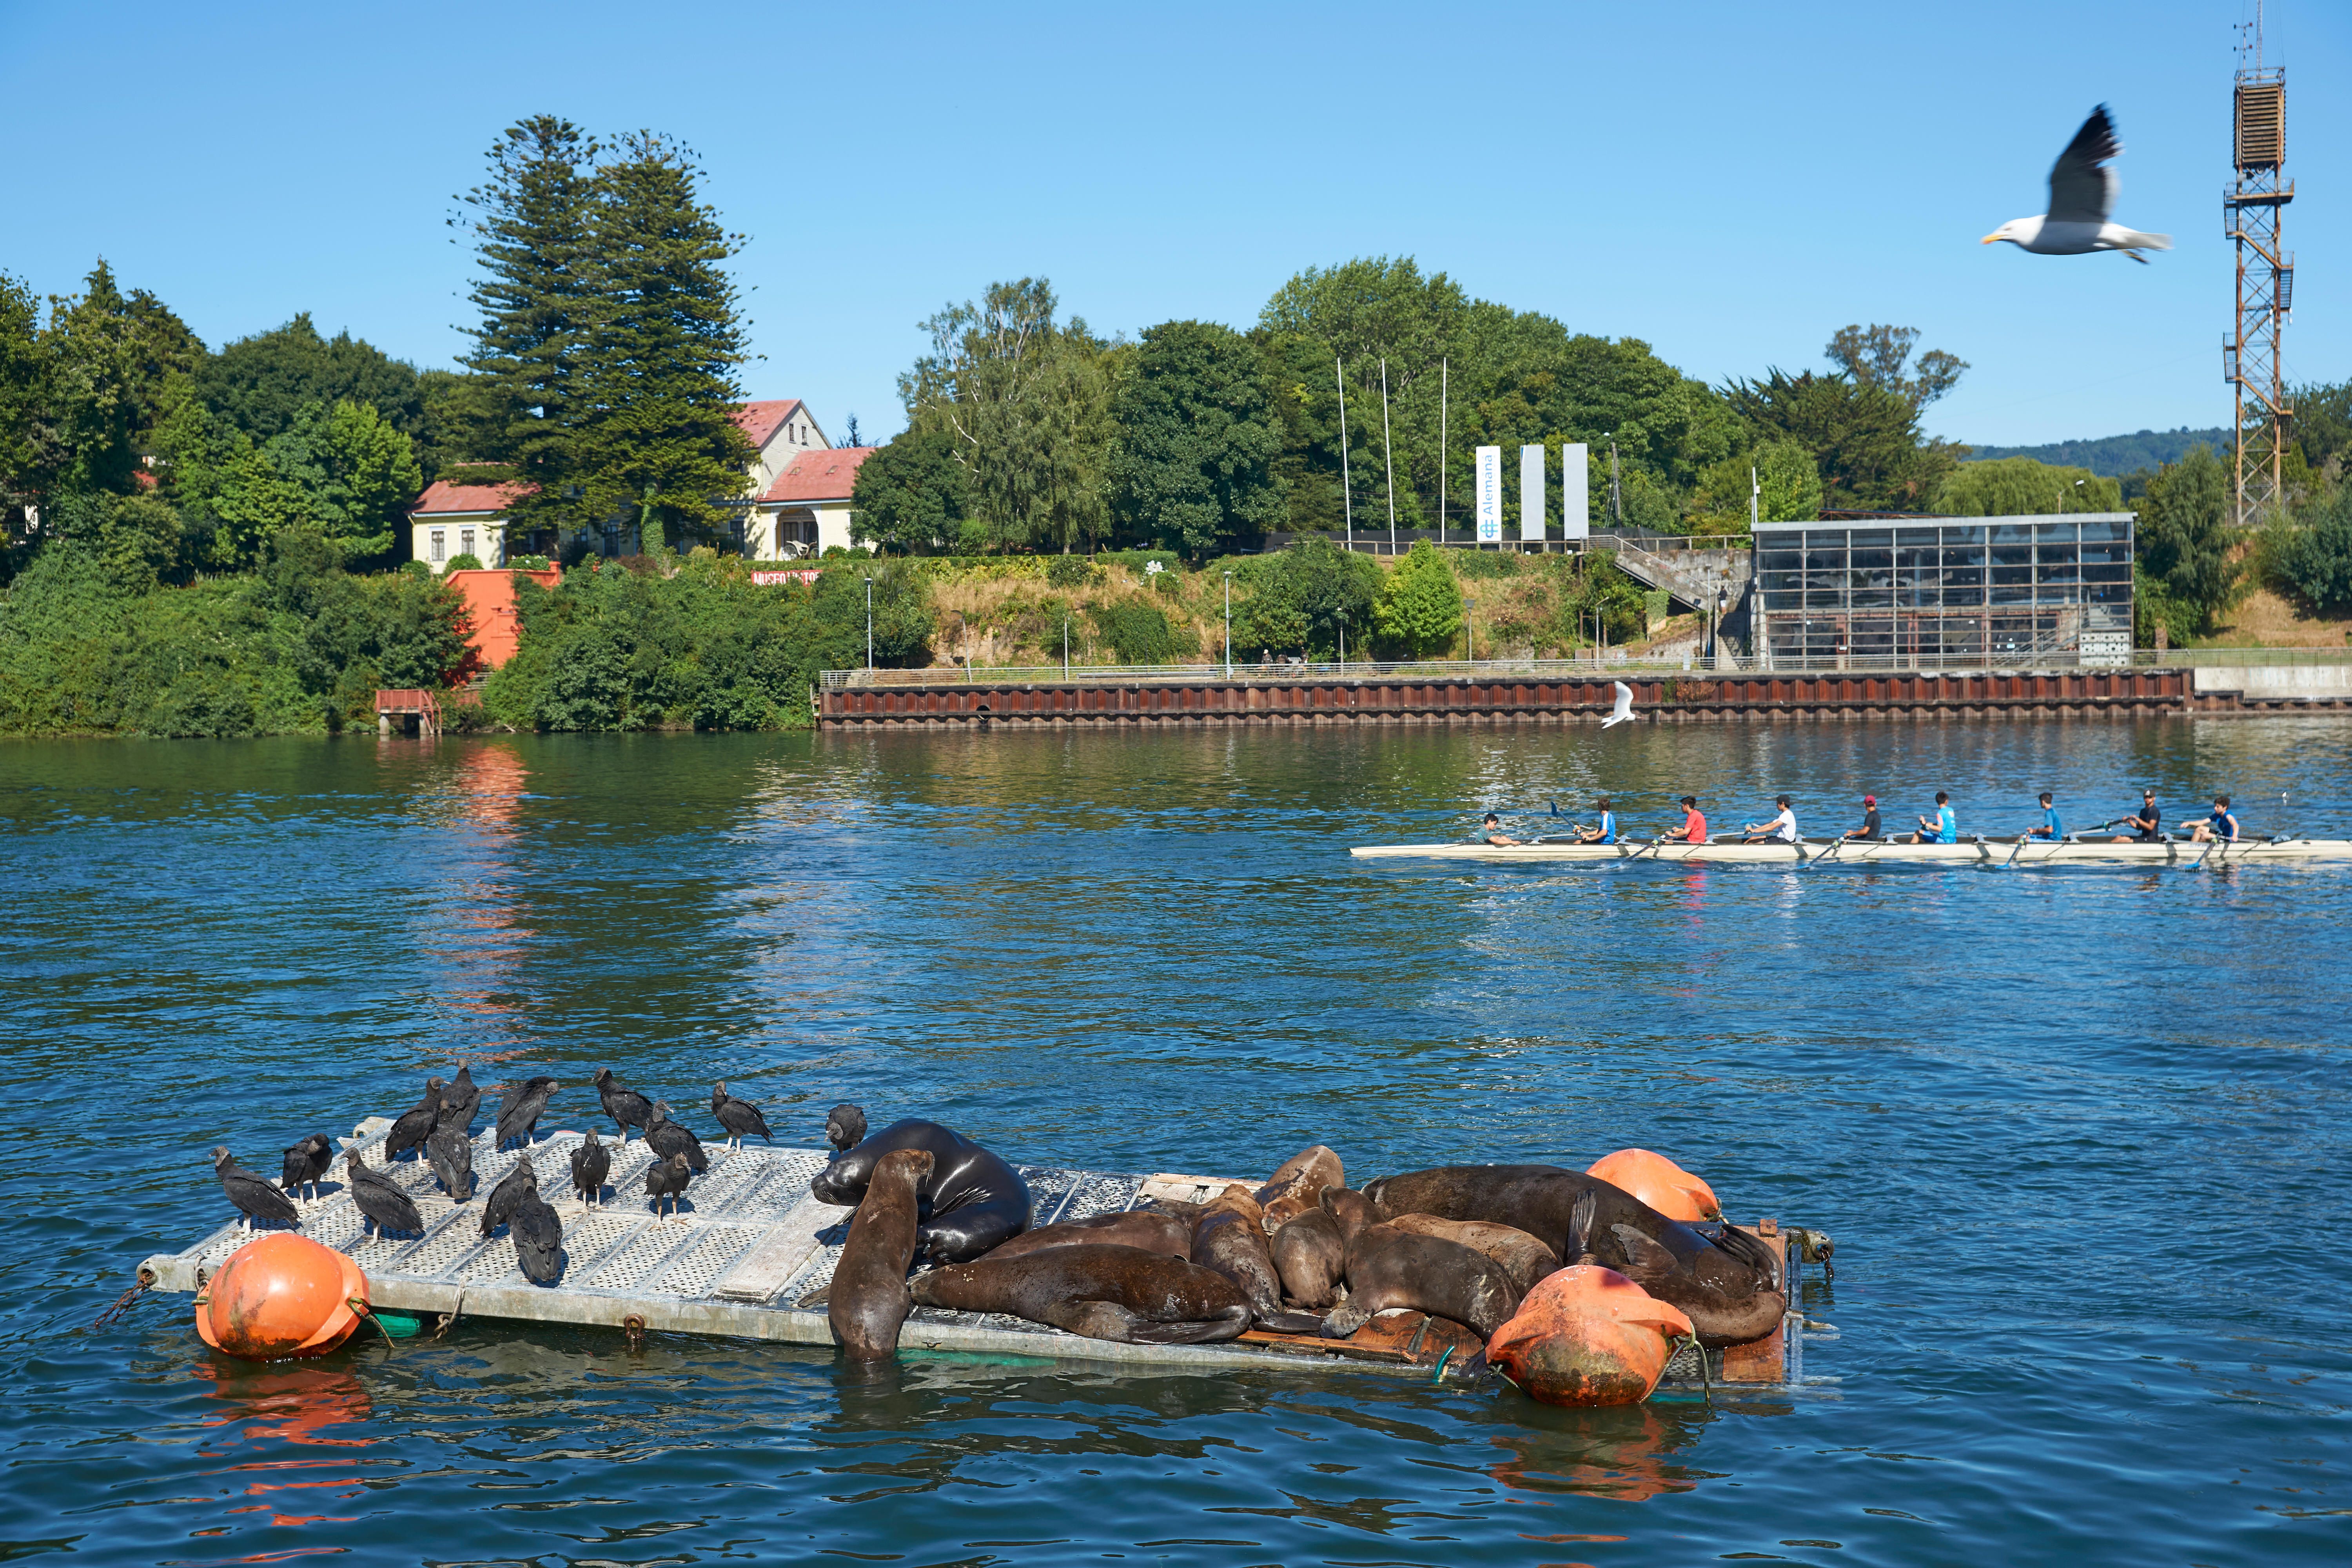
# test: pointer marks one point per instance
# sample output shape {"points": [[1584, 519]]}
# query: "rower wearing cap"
{"points": [[2220, 825], [2148, 825], [1602, 832], [2050, 829], [1868, 832], [1694, 827], [1493, 831]]}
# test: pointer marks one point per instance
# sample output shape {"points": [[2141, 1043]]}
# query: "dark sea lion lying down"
{"points": [[1100, 1291], [1168, 1235], [1230, 1238], [1389, 1267], [970, 1202], [1727, 1290]]}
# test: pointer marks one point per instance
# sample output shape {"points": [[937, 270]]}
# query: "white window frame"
{"points": [[440, 546]]}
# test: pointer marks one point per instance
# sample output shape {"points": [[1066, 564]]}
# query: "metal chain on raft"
{"points": [[122, 1308]]}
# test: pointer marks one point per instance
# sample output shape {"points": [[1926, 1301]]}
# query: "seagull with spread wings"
{"points": [[2082, 194]]}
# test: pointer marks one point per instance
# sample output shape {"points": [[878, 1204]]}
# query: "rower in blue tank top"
{"points": [[1604, 831], [1941, 828]]}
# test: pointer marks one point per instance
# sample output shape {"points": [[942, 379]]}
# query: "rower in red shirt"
{"points": [[1694, 827]]}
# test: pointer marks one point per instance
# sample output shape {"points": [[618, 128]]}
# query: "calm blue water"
{"points": [[2081, 1135]]}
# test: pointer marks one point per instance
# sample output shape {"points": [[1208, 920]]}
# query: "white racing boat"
{"points": [[2071, 851]]}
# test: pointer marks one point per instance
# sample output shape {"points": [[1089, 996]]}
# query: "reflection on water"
{"points": [[2020, 1102]]}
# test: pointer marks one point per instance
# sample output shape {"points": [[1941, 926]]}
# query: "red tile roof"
{"points": [[760, 421], [820, 475], [441, 496]]}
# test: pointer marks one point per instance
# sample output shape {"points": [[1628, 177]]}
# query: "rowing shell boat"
{"points": [[1849, 852]]}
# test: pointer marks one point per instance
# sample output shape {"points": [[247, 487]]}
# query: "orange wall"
{"points": [[489, 606]]}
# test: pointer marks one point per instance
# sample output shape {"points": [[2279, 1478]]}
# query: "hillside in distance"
{"points": [[2113, 456]]}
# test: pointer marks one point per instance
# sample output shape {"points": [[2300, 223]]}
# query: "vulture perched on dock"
{"points": [[624, 1105], [665, 1138], [845, 1127], [538, 1237], [519, 1113], [306, 1162], [740, 1117], [255, 1198], [416, 1124], [380, 1199], [591, 1163], [666, 1181], [462, 1097], [513, 1187], [451, 1155]]}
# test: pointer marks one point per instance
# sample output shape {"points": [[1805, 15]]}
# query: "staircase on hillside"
{"points": [[1691, 574]]}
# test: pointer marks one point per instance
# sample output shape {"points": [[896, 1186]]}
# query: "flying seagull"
{"points": [[1622, 711], [2082, 194]]}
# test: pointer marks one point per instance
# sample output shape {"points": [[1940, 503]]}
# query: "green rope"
{"points": [[1438, 1375], [1706, 1386]]}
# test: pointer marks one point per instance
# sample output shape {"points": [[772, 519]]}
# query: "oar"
{"points": [[2016, 852], [1652, 847], [1834, 845]]}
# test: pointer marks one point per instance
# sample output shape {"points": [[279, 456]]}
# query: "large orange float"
{"points": [[1587, 1335], [281, 1296], [1659, 1183]]}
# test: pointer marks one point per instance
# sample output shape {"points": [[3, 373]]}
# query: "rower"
{"points": [[2220, 826], [2051, 827], [1781, 829], [1941, 828], [1868, 832], [1603, 832], [1494, 831], [1694, 827], [2148, 827]]}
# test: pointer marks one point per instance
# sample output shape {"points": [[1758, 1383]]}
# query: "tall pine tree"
{"points": [[655, 439]]}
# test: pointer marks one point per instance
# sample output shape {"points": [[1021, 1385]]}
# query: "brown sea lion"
{"points": [[1312, 1259], [1102, 1292], [1524, 1258], [868, 1300], [1230, 1238], [1295, 1185], [1728, 1289], [1391, 1267], [1166, 1234]]}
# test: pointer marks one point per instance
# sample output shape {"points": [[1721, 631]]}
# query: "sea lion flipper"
{"points": [[818, 1297], [1579, 1224], [1345, 1320], [1288, 1322], [1644, 1255]]}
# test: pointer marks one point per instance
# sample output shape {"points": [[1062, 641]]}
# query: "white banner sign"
{"points": [[1575, 498], [1531, 492], [1490, 495]]}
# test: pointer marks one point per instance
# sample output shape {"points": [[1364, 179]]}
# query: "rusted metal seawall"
{"points": [[1657, 699]]}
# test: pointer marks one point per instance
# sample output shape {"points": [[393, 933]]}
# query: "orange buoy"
{"points": [[1587, 1335], [1659, 1183], [280, 1296]]}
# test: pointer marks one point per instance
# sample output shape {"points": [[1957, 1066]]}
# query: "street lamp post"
{"points": [[1469, 628], [1229, 626], [869, 623], [1066, 645]]}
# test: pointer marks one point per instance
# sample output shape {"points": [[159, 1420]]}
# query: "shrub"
{"points": [[1141, 633], [2314, 559], [1420, 606], [1069, 571], [2184, 540], [468, 562]]}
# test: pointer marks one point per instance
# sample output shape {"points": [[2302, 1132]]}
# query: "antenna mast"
{"points": [[2251, 359]]}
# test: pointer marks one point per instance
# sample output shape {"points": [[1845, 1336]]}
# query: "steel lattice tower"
{"points": [[2251, 358]]}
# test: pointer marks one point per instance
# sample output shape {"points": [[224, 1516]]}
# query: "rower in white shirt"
{"points": [[1781, 829]]}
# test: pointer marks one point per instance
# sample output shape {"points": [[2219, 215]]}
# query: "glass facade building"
{"points": [[1924, 593]]}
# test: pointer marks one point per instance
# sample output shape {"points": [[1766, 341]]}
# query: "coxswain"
{"points": [[2220, 826], [1602, 832], [1941, 828], [1868, 832], [2147, 826], [2050, 829], [1694, 827], [1494, 831], [1780, 829]]}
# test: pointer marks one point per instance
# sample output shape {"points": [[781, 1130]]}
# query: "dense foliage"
{"points": [[1193, 462], [2186, 573], [2313, 560], [2020, 487]]}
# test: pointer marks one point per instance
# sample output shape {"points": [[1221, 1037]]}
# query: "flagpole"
{"points": [[1346, 495]]}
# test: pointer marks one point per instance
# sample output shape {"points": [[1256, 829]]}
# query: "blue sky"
{"points": [[1730, 182]]}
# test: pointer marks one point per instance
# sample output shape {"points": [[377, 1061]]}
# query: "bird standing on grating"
{"points": [[307, 1161], [591, 1163], [538, 1237], [463, 1096], [844, 1126], [255, 1198], [667, 1180], [451, 1155], [738, 1117], [519, 1113], [2081, 195], [381, 1200], [512, 1188], [624, 1105], [665, 1138], [416, 1124]]}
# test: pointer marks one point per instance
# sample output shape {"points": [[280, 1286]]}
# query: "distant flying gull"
{"points": [[1618, 714], [2082, 194]]}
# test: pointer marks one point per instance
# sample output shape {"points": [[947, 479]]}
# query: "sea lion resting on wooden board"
{"points": [[1311, 1255], [970, 1202], [1728, 1289], [1524, 1258], [1230, 1238], [868, 1300], [1387, 1266], [1168, 1235], [1103, 1292], [1295, 1185]]}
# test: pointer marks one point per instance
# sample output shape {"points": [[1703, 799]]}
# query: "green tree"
{"points": [[261, 385], [654, 408], [1877, 356], [1786, 486], [1864, 439], [1303, 598], [24, 403], [93, 419], [358, 475], [1193, 464], [912, 495], [1420, 606], [2314, 561], [2322, 428], [2187, 577], [2020, 487]]}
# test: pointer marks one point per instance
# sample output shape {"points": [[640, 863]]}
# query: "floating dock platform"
{"points": [[752, 1241]]}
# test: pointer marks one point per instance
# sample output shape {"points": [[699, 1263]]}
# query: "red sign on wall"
{"points": [[778, 579]]}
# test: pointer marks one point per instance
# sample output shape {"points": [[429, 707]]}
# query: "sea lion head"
{"points": [[1351, 1209]]}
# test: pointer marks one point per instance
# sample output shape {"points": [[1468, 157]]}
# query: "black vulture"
{"points": [[740, 1117], [517, 1184], [380, 1199], [591, 1162], [624, 1105], [451, 1155], [255, 1198], [519, 1113], [306, 1162], [462, 1097], [666, 1180], [844, 1126], [538, 1237], [665, 1138], [416, 1123]]}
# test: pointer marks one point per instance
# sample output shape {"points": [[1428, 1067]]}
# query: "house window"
{"points": [[465, 541], [440, 546]]}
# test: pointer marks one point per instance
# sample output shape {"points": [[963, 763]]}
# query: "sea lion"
{"points": [[1586, 1334], [1102, 1292], [868, 1298], [1523, 1257], [1312, 1259], [1728, 1289], [1230, 1238], [844, 1126], [970, 1202], [1295, 1185], [1166, 1234], [1391, 1267]]}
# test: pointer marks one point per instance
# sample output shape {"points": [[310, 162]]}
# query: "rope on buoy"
{"points": [[450, 1316], [1438, 1374], [359, 1306], [1705, 1387]]}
